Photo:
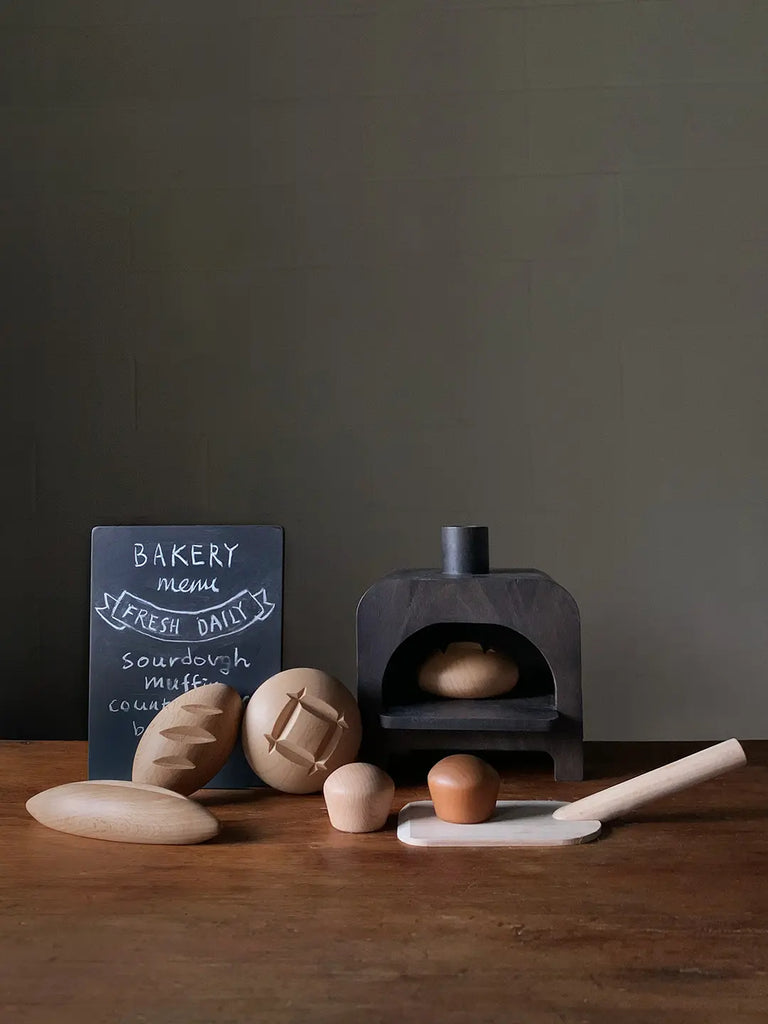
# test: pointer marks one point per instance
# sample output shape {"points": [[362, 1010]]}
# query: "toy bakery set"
{"points": [[187, 625]]}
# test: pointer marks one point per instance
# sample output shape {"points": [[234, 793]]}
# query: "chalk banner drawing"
{"points": [[174, 608], [180, 626]]}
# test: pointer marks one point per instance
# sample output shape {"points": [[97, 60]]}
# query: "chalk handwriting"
{"points": [[223, 663], [187, 586], [116, 705], [190, 681], [172, 555], [233, 616]]}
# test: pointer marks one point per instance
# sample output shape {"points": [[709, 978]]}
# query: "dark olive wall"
{"points": [[365, 268]]}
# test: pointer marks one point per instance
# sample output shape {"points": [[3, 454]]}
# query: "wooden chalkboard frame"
{"points": [[173, 608]]}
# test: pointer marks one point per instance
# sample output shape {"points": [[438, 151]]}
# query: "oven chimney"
{"points": [[465, 550]]}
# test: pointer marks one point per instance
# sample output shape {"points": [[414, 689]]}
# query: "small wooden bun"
{"points": [[123, 812], [358, 797], [465, 670], [300, 726], [189, 740], [463, 789]]}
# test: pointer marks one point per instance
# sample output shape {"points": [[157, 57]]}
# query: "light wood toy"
{"points": [[466, 670], [123, 812], [358, 797], [463, 789], [190, 739], [299, 726], [553, 823]]}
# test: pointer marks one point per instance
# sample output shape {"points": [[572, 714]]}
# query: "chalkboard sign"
{"points": [[173, 608]]}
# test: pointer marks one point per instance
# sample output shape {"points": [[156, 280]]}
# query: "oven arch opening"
{"points": [[531, 704]]}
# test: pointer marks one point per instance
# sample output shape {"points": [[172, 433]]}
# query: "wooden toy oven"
{"points": [[408, 615]]}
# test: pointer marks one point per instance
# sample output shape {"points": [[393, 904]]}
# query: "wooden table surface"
{"points": [[282, 919]]}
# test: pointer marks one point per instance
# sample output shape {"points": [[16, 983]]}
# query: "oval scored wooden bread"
{"points": [[123, 812], [190, 739]]}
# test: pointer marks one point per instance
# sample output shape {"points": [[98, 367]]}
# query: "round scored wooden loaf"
{"points": [[299, 726], [123, 812], [466, 670], [190, 739]]}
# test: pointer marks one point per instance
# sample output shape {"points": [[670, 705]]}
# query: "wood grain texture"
{"points": [[190, 739], [299, 726], [466, 671], [123, 812], [358, 797], [463, 789], [283, 918]]}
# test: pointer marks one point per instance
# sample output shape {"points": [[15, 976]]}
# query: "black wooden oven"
{"points": [[523, 613]]}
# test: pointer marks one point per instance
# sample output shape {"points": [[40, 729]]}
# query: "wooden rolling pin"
{"points": [[670, 778]]}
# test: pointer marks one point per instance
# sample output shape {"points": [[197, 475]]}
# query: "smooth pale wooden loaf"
{"points": [[465, 670], [358, 797], [299, 726], [463, 789], [190, 739], [123, 812]]}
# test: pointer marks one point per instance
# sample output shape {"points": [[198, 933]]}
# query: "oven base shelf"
{"points": [[520, 714]]}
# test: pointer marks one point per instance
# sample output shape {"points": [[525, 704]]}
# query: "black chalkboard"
{"points": [[172, 608]]}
